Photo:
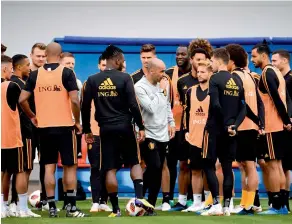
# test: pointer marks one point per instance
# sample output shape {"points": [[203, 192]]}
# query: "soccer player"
{"points": [[226, 112], [197, 106], [272, 89], [281, 60], [56, 97], [11, 140], [21, 70], [183, 66], [38, 59], [3, 49], [97, 178], [147, 52], [252, 125], [183, 84], [152, 92], [115, 107]]}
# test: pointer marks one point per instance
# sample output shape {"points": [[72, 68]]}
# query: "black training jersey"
{"points": [[227, 103], [137, 75], [184, 83], [114, 98]]}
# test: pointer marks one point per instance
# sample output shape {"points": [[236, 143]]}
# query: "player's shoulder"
{"points": [[184, 76], [135, 72], [169, 71], [255, 75], [13, 86]]}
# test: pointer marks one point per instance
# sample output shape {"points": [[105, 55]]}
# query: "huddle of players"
{"points": [[231, 114]]}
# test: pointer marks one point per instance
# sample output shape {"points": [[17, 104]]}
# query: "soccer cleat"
{"points": [[159, 208], [150, 213], [77, 213], [5, 212], [113, 215], [165, 207], [284, 210], [215, 210], [231, 206], [94, 207], [226, 211], [237, 209], [53, 213], [206, 208], [189, 203], [23, 214], [246, 212], [257, 209], [171, 203], [104, 208], [31, 214], [178, 207], [12, 210], [144, 204], [194, 208], [271, 211]]}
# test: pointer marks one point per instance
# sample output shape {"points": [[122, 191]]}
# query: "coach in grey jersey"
{"points": [[153, 95]]}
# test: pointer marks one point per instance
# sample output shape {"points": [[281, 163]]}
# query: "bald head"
{"points": [[156, 69], [53, 50]]}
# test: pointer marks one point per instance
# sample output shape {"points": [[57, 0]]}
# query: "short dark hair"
{"points": [[17, 59], [5, 59], [40, 46], [283, 53], [112, 51], [3, 48], [101, 58], [148, 48], [199, 51], [237, 54], [262, 48], [67, 55], [222, 53]]}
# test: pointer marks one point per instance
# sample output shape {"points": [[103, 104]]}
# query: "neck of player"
{"points": [[222, 67], [265, 63], [18, 74], [204, 85], [286, 70], [185, 69]]}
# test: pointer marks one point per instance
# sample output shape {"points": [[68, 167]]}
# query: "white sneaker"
{"points": [[12, 210], [165, 207], [104, 208], [31, 214], [226, 211], [237, 209], [94, 207], [158, 208], [23, 214], [257, 209], [215, 210], [195, 208], [5, 212], [231, 205]]}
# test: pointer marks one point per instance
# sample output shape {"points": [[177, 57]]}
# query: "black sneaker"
{"points": [[74, 212], [150, 213], [53, 213], [178, 207]]}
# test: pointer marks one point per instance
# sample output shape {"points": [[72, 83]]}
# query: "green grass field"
{"points": [[161, 218]]}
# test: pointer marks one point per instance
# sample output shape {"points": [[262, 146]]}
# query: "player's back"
{"points": [[229, 90], [111, 99]]}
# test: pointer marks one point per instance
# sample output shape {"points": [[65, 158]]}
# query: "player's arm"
{"points": [[188, 108], [26, 93], [271, 83], [13, 93], [132, 102], [86, 99], [180, 91], [289, 103], [214, 98], [242, 110], [70, 84], [261, 111]]}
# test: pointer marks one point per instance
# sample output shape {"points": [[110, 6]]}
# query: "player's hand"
{"points": [[34, 121], [141, 136], [171, 131], [287, 127], [231, 130], [78, 128], [89, 138], [163, 83], [262, 132]]}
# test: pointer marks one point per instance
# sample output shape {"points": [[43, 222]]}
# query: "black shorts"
{"points": [[287, 160], [79, 145], [246, 145], [28, 153], [179, 147], [272, 145], [220, 146], [196, 160], [12, 160], [118, 145], [93, 152], [51, 144], [154, 152]]}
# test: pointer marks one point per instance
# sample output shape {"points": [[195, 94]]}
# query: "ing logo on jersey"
{"points": [[107, 88]]}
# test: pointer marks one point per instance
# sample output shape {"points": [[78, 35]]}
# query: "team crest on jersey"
{"points": [[151, 145]]}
